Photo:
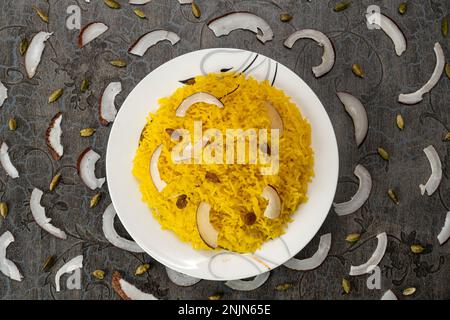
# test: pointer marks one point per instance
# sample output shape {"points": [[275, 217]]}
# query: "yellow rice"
{"points": [[240, 187]]}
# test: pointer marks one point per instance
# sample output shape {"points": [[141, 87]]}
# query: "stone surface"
{"points": [[417, 219]]}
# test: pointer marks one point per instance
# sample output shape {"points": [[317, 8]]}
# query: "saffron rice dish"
{"points": [[235, 205]]}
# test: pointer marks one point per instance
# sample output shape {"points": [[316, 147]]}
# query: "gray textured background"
{"points": [[416, 220]]}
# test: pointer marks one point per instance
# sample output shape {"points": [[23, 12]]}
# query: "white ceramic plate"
{"points": [[163, 245]]}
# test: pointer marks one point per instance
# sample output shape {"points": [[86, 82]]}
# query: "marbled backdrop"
{"points": [[416, 220]]}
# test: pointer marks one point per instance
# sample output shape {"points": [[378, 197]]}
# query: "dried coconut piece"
{"points": [[273, 208], [389, 295], [276, 122], [86, 169], [71, 265], [5, 160], [374, 260], [316, 260], [223, 25], [34, 52], [436, 171], [416, 97], [7, 267], [90, 32], [127, 291], [111, 234], [361, 195], [53, 137], [358, 113], [3, 93], [328, 57], [198, 97], [140, 2], [444, 235], [390, 28], [206, 230], [151, 38], [38, 213], [159, 183], [107, 110]]}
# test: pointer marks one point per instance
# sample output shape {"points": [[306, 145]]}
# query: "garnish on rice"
{"points": [[194, 177]]}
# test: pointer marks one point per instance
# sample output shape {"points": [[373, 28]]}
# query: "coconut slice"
{"points": [[197, 98], [139, 1], [34, 52], [249, 285], [6, 162], [276, 122], [436, 171], [3, 93], [181, 279], [111, 233], [316, 260], [7, 267], [273, 208], [86, 169], [223, 25], [159, 183], [360, 197], [374, 260], [390, 28], [53, 137], [39, 216], [389, 295], [328, 56], [358, 113], [416, 97], [206, 230], [70, 266], [150, 39], [185, 1], [127, 291], [107, 109], [444, 235], [90, 32]]}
